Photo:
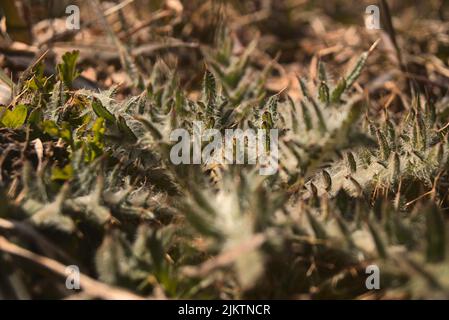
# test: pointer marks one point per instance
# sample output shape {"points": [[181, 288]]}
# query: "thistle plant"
{"points": [[87, 179]]}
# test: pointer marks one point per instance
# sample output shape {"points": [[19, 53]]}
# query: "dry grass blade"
{"points": [[92, 287]]}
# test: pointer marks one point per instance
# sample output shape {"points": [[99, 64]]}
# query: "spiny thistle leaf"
{"points": [[101, 111], [210, 88], [338, 91]]}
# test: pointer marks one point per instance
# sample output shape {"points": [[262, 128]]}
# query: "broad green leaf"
{"points": [[67, 69], [35, 116], [15, 118], [50, 128], [65, 173]]}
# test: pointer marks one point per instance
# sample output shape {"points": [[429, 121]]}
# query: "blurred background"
{"points": [[121, 41]]}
